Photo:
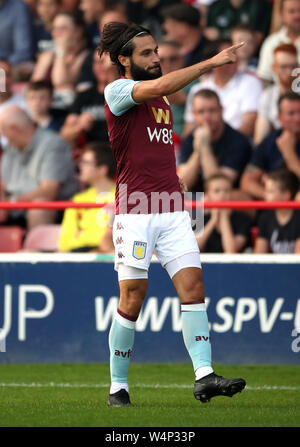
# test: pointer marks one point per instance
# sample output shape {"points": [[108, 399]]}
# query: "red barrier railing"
{"points": [[244, 204], [232, 204]]}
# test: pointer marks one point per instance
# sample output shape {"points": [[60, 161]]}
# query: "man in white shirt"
{"points": [[285, 62], [239, 94], [288, 33]]}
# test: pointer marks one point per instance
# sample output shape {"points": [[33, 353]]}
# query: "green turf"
{"points": [[83, 404]]}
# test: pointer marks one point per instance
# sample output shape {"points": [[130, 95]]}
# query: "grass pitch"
{"points": [[75, 395]]}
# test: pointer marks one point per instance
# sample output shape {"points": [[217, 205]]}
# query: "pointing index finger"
{"points": [[238, 45]]}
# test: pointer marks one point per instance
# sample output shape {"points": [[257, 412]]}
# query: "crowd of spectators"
{"points": [[236, 129]]}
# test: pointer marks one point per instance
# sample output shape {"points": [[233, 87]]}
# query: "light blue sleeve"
{"points": [[118, 96]]}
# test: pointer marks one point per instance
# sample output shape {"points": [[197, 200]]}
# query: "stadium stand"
{"points": [[51, 28], [42, 238], [11, 239]]}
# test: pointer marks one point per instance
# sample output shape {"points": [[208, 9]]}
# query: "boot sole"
{"points": [[230, 390], [119, 405]]}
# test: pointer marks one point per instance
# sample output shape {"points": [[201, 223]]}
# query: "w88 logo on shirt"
{"points": [[163, 135]]}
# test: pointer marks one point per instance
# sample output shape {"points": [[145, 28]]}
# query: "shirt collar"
{"points": [[283, 34]]}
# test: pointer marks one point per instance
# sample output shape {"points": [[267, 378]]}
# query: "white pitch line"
{"points": [[137, 385]]}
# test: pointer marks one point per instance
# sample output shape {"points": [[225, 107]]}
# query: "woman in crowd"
{"points": [[62, 65]]}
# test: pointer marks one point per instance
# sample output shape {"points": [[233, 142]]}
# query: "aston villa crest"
{"points": [[139, 249]]}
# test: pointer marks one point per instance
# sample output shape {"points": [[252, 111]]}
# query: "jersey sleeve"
{"points": [[118, 96]]}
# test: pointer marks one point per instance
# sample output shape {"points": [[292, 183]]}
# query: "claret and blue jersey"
{"points": [[141, 139]]}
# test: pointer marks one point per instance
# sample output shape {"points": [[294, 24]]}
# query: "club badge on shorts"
{"points": [[139, 249]]}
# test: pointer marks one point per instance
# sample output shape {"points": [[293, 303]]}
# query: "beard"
{"points": [[139, 74]]}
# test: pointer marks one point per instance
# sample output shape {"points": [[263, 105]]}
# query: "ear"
{"points": [[124, 60]]}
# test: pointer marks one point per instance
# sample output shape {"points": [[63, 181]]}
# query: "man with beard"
{"points": [[284, 65], [280, 149], [150, 212], [289, 11]]}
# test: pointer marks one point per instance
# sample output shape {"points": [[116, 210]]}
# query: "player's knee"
{"points": [[194, 291], [132, 294], [136, 291]]}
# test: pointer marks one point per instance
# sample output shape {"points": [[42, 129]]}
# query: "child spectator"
{"points": [[279, 230], [285, 62], [225, 231], [90, 229], [246, 54], [39, 102]]}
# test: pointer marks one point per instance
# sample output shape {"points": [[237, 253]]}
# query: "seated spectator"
{"points": [[90, 229], [47, 10], [86, 77], [39, 102], [233, 88], [87, 117], [279, 230], [36, 166], [285, 61], [288, 33], [63, 65], [92, 11], [7, 96], [246, 54], [279, 149], [182, 25], [225, 231], [223, 15], [15, 37], [213, 146]]}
